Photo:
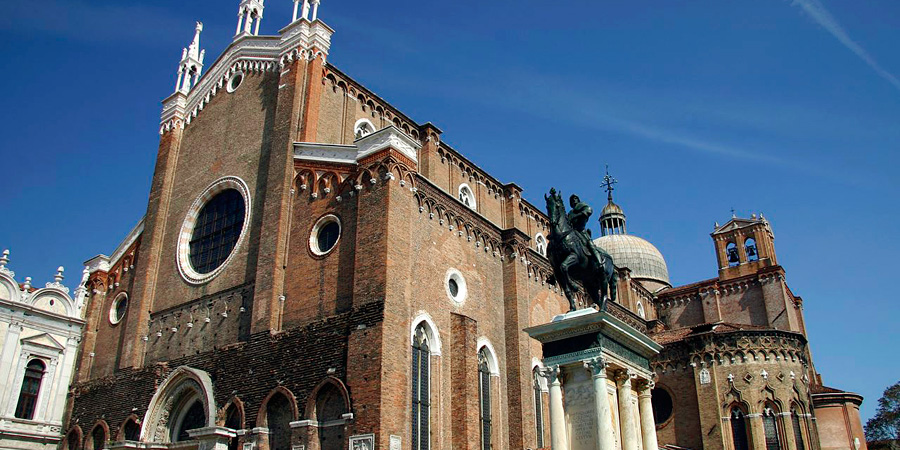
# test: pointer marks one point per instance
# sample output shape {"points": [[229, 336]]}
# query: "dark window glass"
{"points": [[72, 441], [31, 386], [328, 236], [279, 415], [233, 421], [798, 434], [121, 307], [538, 409], [193, 419], [454, 287], [662, 405], [484, 385], [132, 431], [98, 438], [739, 430], [217, 230], [421, 399], [770, 426]]}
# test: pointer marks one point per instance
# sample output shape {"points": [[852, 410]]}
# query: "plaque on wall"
{"points": [[395, 442], [362, 442]]}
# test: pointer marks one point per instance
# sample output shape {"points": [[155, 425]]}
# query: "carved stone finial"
{"points": [[27, 285], [4, 260], [59, 274]]}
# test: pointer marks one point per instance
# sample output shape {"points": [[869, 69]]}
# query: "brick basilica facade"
{"points": [[317, 270]]}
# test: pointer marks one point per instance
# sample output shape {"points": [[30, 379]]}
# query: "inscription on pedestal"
{"points": [[581, 415]]}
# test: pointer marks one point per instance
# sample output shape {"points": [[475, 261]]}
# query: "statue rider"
{"points": [[578, 217]]}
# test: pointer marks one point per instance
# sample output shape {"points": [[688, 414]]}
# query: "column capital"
{"points": [[550, 373], [625, 375], [597, 366], [645, 386]]}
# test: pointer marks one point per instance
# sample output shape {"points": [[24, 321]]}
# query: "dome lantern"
{"points": [[640, 256]]}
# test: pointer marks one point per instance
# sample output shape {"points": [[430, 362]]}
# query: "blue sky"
{"points": [[785, 107]]}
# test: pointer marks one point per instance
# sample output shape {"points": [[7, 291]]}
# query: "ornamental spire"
{"points": [[305, 10], [191, 63], [608, 183], [250, 13], [612, 218]]}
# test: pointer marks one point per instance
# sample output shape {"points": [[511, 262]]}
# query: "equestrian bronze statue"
{"points": [[573, 255]]}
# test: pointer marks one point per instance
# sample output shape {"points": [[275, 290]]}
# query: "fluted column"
{"points": [[626, 410], [648, 425], [606, 437], [558, 438]]}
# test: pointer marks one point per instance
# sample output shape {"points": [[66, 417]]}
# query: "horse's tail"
{"points": [[613, 282]]}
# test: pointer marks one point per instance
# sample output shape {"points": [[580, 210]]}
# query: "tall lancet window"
{"points": [[739, 429], [31, 386], [798, 431], [421, 397], [484, 390], [770, 427], [538, 408]]}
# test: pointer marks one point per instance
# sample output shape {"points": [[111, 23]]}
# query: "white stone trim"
{"points": [[473, 203], [431, 329], [230, 86], [463, 289], [360, 122], [314, 234], [168, 388], [183, 249], [493, 362], [539, 239], [112, 308]]}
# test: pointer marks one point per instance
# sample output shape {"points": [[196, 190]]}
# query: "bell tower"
{"points": [[743, 246]]}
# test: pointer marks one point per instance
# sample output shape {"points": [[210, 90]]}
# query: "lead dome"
{"points": [[644, 260]]}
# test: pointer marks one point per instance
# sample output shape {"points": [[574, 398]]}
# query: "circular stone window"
{"points": [[325, 235], [235, 81], [214, 227], [118, 308], [455, 286], [662, 405]]}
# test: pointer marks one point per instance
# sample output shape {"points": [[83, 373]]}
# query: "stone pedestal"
{"points": [[582, 350], [212, 438]]}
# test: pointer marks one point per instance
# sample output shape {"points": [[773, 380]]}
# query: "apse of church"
{"points": [[339, 277]]}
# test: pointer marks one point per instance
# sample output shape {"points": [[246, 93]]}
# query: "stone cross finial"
{"points": [[27, 285], [4, 260]]}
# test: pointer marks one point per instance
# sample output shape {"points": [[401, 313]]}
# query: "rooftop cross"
{"points": [[608, 183]]}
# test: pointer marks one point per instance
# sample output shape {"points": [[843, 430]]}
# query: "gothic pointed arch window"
{"points": [[540, 244], [484, 397], [98, 437], [538, 407], [739, 437], [796, 413], [421, 385], [234, 421], [640, 310], [279, 414], [131, 431], [466, 195], [751, 250], [363, 128], [771, 427], [189, 417], [31, 387]]}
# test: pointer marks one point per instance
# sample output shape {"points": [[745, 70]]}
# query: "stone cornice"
{"points": [[301, 39]]}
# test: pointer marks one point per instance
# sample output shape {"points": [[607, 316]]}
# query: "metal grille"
{"points": [[538, 410], [739, 430], [798, 435], [31, 385], [484, 377], [771, 430], [217, 230], [420, 390]]}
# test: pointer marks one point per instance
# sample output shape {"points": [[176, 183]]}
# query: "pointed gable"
{"points": [[43, 340]]}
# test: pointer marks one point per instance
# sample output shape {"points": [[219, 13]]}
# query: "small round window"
{"points": [[325, 235], [455, 286], [662, 405], [118, 309], [235, 81]]}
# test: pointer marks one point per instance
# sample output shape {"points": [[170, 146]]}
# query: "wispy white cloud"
{"points": [[820, 15], [84, 21]]}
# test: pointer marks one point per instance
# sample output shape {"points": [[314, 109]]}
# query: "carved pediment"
{"points": [[43, 340]]}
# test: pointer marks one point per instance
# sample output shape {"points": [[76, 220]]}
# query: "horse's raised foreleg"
{"points": [[566, 279]]}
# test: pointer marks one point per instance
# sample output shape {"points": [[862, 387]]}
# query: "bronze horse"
{"points": [[572, 260]]}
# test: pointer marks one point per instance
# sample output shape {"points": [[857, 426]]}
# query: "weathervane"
{"points": [[608, 183]]}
